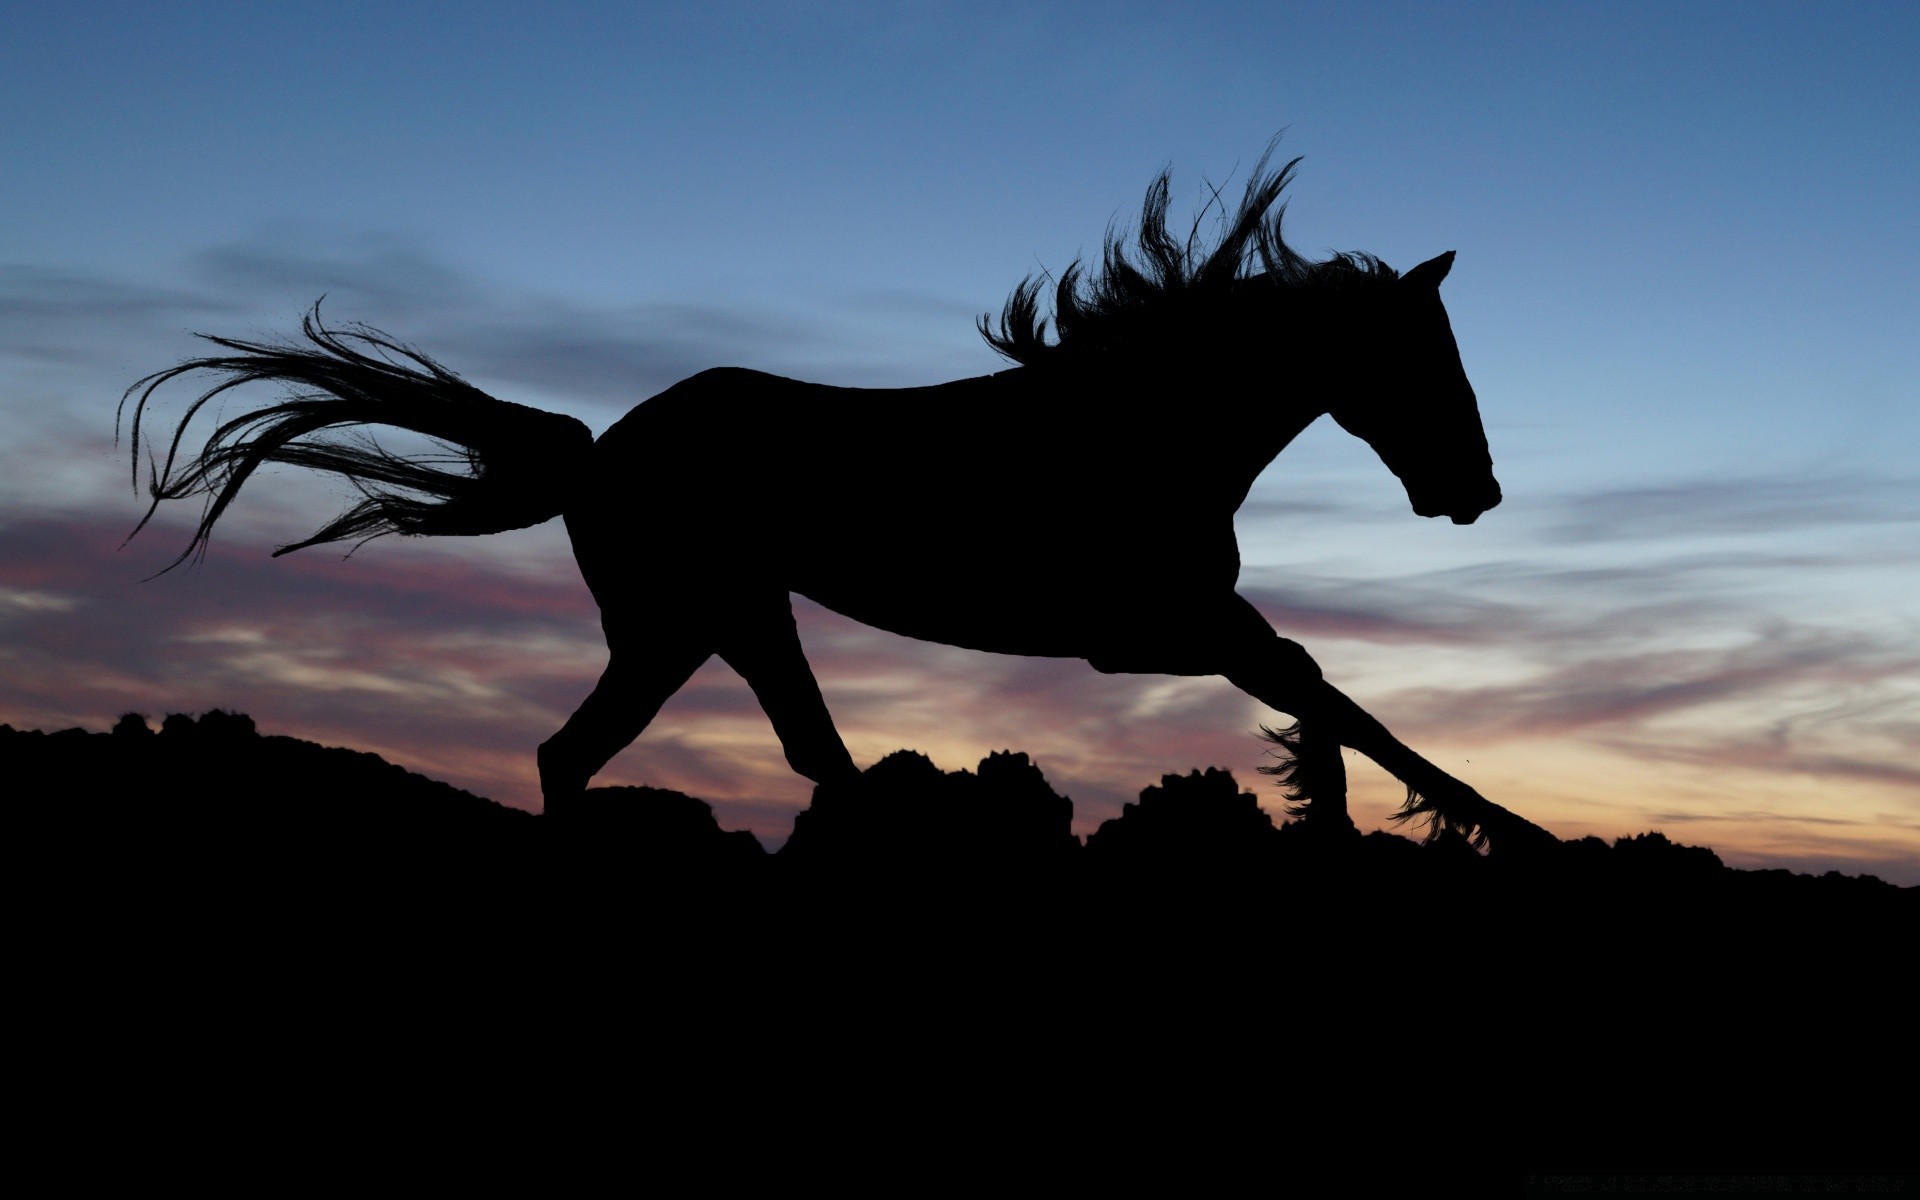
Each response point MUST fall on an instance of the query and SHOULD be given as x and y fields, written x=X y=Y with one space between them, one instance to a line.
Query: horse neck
x=1266 y=420
x=1275 y=392
x=1222 y=422
x=1252 y=411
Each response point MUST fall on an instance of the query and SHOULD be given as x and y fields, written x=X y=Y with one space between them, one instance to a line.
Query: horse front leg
x=1312 y=775
x=1184 y=637
x=1446 y=802
x=1282 y=675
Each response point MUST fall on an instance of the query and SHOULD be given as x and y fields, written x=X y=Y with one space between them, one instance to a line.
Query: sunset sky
x=1685 y=291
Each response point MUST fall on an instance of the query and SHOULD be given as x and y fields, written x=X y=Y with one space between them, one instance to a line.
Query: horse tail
x=497 y=465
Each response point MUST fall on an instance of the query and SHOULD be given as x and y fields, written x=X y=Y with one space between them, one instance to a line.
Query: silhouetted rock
x=1006 y=814
x=869 y=822
x=1198 y=823
x=649 y=829
x=907 y=814
x=1652 y=857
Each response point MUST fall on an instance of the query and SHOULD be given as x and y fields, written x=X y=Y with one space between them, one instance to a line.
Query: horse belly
x=1065 y=594
x=954 y=613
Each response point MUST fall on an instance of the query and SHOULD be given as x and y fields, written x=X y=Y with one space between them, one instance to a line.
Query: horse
x=1078 y=504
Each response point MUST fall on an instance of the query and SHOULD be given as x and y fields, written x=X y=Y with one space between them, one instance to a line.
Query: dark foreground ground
x=934 y=981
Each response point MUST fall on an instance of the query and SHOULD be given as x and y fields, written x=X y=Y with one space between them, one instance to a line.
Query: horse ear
x=1430 y=272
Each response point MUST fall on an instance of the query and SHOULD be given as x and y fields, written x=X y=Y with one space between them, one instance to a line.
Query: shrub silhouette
x=1193 y=823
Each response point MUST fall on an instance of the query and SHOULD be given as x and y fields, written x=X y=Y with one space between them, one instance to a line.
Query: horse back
x=982 y=513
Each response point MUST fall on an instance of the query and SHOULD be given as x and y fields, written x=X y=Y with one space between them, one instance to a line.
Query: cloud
x=1259 y=508
x=1385 y=611
x=892 y=302
x=1770 y=505
x=1638 y=687
x=1893 y=767
x=55 y=313
x=417 y=630
x=619 y=358
x=378 y=270
x=606 y=356
x=603 y=356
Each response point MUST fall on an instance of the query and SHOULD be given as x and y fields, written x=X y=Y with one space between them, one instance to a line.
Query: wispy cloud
x=1627 y=689
x=1863 y=754
x=1760 y=504
x=387 y=272
x=609 y=357
x=1390 y=612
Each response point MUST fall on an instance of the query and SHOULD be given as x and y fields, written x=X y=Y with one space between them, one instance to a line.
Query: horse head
x=1415 y=407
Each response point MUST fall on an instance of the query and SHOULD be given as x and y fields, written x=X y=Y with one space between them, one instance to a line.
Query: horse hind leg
x=639 y=678
x=764 y=647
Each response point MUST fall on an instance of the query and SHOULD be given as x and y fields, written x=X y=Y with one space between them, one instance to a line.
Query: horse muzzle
x=1461 y=510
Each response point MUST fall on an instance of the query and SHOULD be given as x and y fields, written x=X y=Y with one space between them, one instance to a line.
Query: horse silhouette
x=1077 y=505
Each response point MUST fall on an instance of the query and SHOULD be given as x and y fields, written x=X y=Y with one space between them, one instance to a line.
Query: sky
x=1686 y=254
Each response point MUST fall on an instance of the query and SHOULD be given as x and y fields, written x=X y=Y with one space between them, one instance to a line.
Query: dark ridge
x=218 y=767
x=215 y=794
x=1195 y=982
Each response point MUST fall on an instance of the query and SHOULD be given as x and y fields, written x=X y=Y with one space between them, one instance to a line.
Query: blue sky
x=1686 y=254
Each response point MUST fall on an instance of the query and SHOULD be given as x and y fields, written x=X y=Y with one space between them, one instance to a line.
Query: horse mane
x=1176 y=285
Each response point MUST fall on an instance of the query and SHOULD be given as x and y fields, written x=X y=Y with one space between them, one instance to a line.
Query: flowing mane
x=1175 y=285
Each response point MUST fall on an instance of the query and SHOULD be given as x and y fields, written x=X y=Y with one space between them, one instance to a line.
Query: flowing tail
x=500 y=466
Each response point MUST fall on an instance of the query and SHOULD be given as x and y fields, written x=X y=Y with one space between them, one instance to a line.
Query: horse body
x=984 y=517
x=1079 y=505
